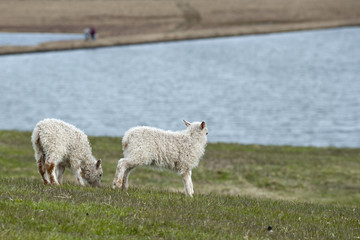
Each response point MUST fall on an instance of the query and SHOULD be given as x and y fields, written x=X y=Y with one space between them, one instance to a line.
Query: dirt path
x=137 y=21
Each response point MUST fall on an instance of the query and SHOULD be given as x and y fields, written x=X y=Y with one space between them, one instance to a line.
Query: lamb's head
x=92 y=173
x=198 y=129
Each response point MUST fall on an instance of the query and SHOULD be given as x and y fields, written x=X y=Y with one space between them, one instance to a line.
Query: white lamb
x=179 y=151
x=59 y=145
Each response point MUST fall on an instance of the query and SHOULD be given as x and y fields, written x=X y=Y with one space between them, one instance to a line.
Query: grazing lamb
x=178 y=151
x=59 y=145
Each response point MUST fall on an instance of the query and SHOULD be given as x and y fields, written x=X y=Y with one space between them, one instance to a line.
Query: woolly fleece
x=65 y=146
x=179 y=151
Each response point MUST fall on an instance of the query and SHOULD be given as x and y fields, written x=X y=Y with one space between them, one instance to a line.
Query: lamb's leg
x=79 y=179
x=125 y=183
x=187 y=183
x=191 y=184
x=122 y=172
x=60 y=173
x=41 y=167
x=51 y=170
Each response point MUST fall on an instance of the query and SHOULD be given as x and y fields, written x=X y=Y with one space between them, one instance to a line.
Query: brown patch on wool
x=50 y=168
x=125 y=145
x=176 y=164
x=41 y=169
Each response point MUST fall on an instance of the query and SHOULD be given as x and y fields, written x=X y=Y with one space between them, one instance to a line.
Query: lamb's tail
x=35 y=140
x=39 y=154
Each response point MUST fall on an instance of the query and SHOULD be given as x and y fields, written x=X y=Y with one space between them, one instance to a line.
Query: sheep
x=59 y=145
x=178 y=151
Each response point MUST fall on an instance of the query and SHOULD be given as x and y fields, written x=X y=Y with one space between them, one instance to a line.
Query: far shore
x=163 y=37
x=148 y=21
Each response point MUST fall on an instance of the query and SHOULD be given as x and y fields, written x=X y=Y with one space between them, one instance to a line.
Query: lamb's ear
x=202 y=125
x=187 y=123
x=98 y=163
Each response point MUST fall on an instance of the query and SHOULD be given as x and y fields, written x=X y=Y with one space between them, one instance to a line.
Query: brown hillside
x=135 y=21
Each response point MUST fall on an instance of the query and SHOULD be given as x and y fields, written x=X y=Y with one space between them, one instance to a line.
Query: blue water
x=31 y=39
x=299 y=88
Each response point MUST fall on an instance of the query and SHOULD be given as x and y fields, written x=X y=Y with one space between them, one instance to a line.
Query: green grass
x=240 y=190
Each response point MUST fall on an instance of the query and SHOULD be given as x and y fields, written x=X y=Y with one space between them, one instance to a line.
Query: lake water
x=31 y=39
x=299 y=88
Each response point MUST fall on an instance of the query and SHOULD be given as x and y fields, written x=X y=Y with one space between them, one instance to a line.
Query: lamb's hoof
x=115 y=186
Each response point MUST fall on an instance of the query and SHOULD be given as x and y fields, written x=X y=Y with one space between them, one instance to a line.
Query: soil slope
x=137 y=21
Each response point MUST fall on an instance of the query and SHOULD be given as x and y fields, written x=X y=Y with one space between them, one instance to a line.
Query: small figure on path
x=92 y=33
x=86 y=34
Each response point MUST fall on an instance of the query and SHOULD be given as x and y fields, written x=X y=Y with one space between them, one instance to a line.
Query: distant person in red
x=92 y=33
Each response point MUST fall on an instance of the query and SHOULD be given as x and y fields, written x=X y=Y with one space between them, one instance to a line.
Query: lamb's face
x=204 y=130
x=93 y=174
x=198 y=127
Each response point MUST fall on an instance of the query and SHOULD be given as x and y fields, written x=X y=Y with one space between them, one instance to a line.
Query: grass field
x=240 y=190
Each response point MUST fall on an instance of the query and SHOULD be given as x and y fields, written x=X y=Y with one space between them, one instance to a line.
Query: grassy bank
x=327 y=175
x=130 y=22
x=240 y=190
x=28 y=210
